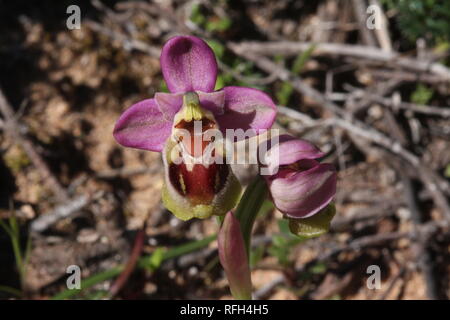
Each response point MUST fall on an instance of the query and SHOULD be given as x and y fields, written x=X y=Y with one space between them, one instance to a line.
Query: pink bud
x=301 y=186
x=233 y=258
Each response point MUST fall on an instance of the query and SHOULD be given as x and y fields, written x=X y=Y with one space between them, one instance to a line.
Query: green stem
x=249 y=206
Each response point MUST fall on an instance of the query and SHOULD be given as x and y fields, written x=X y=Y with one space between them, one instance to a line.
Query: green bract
x=315 y=225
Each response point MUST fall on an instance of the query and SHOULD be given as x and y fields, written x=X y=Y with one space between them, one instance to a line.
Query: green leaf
x=156 y=259
x=266 y=208
x=301 y=59
x=422 y=94
x=279 y=241
x=256 y=256
x=220 y=83
x=249 y=206
x=282 y=253
x=97 y=295
x=196 y=15
x=217 y=47
x=427 y=19
x=283 y=243
x=89 y=282
x=188 y=247
x=284 y=93
x=283 y=225
x=318 y=268
x=163 y=87
x=278 y=58
x=13 y=231
x=11 y=291
x=222 y=24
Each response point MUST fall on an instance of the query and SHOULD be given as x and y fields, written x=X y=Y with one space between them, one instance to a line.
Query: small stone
x=87 y=236
x=27 y=211
x=376 y=111
x=403 y=213
x=150 y=288
x=193 y=271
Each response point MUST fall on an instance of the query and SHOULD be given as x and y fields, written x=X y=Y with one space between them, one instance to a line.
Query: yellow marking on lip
x=182 y=184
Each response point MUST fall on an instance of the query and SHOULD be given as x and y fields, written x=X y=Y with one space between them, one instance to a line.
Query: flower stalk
x=249 y=207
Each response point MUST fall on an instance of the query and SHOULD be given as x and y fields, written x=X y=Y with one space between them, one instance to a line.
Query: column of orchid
x=188 y=124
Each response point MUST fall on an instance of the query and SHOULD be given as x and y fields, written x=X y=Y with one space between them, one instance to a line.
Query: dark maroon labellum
x=202 y=182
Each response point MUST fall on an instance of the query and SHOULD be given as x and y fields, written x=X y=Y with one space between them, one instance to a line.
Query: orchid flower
x=193 y=188
x=188 y=124
x=301 y=187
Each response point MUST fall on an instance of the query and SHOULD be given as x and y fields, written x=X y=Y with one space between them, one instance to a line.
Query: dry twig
x=289 y=48
x=12 y=128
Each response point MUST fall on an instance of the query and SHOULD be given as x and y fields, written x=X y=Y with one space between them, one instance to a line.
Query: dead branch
x=131 y=264
x=127 y=42
x=63 y=211
x=440 y=111
x=12 y=128
x=421 y=246
x=290 y=48
x=127 y=172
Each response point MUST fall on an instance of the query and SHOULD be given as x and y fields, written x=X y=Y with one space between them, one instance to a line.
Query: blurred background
x=366 y=80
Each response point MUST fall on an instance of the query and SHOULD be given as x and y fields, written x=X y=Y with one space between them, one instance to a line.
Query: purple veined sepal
x=188 y=64
x=289 y=150
x=233 y=258
x=143 y=126
x=147 y=124
x=246 y=108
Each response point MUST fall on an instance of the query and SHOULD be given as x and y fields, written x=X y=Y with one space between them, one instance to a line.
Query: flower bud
x=300 y=186
x=233 y=257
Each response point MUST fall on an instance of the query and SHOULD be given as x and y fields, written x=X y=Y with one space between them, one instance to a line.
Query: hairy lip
x=200 y=184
